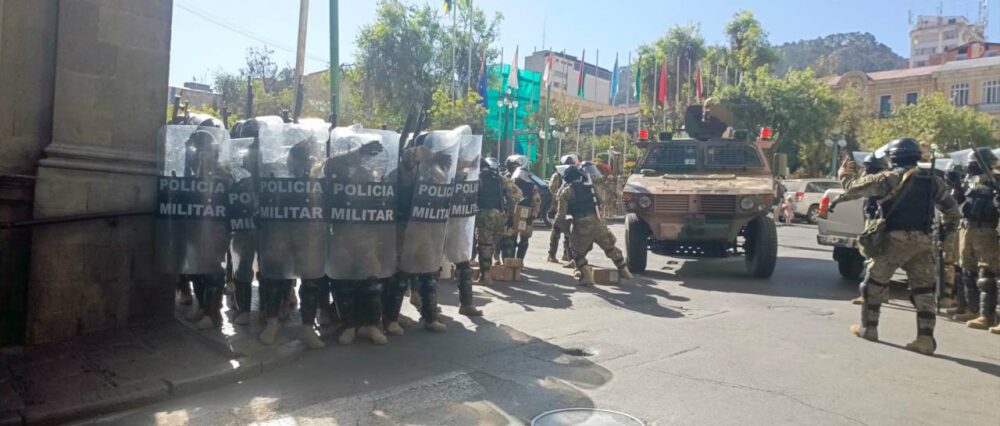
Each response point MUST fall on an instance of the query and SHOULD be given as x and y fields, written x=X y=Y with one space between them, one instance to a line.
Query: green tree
x=837 y=54
x=936 y=121
x=680 y=44
x=748 y=44
x=446 y=114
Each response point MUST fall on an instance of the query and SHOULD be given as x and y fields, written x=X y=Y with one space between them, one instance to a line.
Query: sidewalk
x=108 y=372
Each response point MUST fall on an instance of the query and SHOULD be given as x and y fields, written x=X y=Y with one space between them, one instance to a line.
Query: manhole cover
x=584 y=416
x=577 y=352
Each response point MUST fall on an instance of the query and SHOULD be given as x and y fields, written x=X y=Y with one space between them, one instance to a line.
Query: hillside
x=837 y=54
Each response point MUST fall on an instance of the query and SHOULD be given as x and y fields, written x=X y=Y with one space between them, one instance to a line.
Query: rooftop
x=903 y=73
x=969 y=64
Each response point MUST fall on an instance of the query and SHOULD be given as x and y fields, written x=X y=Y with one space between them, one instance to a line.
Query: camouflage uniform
x=980 y=252
x=525 y=212
x=491 y=222
x=909 y=249
x=560 y=226
x=587 y=230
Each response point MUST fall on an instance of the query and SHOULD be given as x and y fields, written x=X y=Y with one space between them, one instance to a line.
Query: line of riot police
x=358 y=214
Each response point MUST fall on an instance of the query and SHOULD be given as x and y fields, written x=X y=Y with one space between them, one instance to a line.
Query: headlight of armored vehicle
x=747 y=203
x=645 y=201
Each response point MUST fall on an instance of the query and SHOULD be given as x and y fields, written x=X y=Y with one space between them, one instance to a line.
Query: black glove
x=833 y=205
x=373 y=147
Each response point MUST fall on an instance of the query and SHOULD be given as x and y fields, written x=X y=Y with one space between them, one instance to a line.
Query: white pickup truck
x=840 y=229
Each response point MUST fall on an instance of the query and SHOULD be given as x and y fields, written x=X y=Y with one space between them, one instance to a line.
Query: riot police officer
x=242 y=209
x=579 y=200
x=872 y=165
x=980 y=248
x=525 y=211
x=907 y=198
x=560 y=227
x=496 y=200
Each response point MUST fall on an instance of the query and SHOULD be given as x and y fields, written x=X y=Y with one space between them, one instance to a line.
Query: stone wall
x=27 y=79
x=112 y=61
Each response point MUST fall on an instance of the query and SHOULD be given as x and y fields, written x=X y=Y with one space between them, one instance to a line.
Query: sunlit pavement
x=689 y=342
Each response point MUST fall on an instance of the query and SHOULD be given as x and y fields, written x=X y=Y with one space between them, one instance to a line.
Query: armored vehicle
x=708 y=194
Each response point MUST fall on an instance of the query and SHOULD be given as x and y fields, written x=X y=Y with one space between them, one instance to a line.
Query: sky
x=213 y=35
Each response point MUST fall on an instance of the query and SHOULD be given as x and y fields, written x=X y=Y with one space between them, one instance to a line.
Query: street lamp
x=505 y=105
x=840 y=144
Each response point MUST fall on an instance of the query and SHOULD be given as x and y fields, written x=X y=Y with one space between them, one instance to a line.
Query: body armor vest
x=978 y=205
x=527 y=192
x=911 y=208
x=491 y=192
x=584 y=202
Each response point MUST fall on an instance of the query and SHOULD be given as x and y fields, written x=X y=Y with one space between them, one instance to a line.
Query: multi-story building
x=973 y=50
x=565 y=77
x=935 y=34
x=973 y=83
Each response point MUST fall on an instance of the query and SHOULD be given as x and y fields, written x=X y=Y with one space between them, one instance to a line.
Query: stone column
x=27 y=78
x=112 y=62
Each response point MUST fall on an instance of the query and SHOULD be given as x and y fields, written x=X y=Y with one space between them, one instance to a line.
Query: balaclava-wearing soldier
x=461 y=227
x=908 y=198
x=560 y=226
x=361 y=197
x=293 y=232
x=193 y=233
x=433 y=159
x=526 y=210
x=578 y=199
x=496 y=201
x=980 y=248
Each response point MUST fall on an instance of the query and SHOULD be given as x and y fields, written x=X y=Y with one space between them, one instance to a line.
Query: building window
x=911 y=98
x=960 y=94
x=884 y=106
x=991 y=92
x=948 y=35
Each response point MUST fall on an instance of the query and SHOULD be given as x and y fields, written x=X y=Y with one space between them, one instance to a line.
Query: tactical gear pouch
x=874 y=240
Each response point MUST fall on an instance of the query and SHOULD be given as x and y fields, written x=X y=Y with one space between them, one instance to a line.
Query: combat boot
x=307 y=334
x=435 y=326
x=625 y=273
x=552 y=259
x=565 y=257
x=205 y=323
x=870 y=333
x=270 y=332
x=242 y=318
x=347 y=336
x=570 y=265
x=858 y=300
x=995 y=330
x=466 y=301
x=195 y=315
x=965 y=316
x=376 y=336
x=981 y=323
x=923 y=344
x=586 y=276
x=406 y=322
x=946 y=303
x=394 y=329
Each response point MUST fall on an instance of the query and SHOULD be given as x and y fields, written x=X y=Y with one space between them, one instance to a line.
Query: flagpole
x=468 y=70
x=689 y=79
x=454 y=52
x=547 y=130
x=638 y=94
x=627 y=99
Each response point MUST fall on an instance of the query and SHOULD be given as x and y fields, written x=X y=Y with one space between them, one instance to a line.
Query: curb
x=164 y=388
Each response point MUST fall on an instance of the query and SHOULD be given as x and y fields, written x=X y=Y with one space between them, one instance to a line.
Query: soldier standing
x=907 y=200
x=361 y=198
x=496 y=200
x=242 y=209
x=461 y=230
x=526 y=209
x=578 y=199
x=980 y=248
x=872 y=165
x=560 y=226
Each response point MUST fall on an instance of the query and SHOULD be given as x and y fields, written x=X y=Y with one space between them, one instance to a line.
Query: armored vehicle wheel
x=761 y=247
x=636 y=243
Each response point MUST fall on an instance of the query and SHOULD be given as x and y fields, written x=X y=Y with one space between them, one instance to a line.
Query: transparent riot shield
x=241 y=207
x=423 y=241
x=464 y=204
x=290 y=220
x=192 y=231
x=361 y=203
x=859 y=158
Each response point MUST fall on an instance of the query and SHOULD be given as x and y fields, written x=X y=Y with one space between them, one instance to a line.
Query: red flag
x=698 y=76
x=661 y=97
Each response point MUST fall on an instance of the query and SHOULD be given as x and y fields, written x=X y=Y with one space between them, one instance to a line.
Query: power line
x=243 y=31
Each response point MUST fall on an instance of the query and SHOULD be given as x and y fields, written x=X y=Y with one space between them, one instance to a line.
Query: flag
x=481 y=85
x=580 y=80
x=638 y=79
x=614 y=81
x=698 y=79
x=548 y=69
x=661 y=97
x=447 y=6
x=512 y=78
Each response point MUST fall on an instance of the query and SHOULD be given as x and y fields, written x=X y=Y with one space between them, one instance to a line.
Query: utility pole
x=334 y=62
x=300 y=58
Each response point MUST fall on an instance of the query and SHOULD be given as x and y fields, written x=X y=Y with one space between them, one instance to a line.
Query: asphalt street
x=690 y=342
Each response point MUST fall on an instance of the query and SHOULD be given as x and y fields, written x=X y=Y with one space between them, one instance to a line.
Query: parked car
x=808 y=193
x=840 y=229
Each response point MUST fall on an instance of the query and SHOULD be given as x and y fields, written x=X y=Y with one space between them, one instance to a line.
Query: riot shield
x=464 y=205
x=290 y=218
x=961 y=158
x=859 y=158
x=361 y=202
x=423 y=241
x=192 y=232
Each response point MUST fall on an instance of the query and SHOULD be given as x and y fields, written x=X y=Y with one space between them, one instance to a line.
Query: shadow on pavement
x=985 y=367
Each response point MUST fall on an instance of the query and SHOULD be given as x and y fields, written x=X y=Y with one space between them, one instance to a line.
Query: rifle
x=937 y=224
